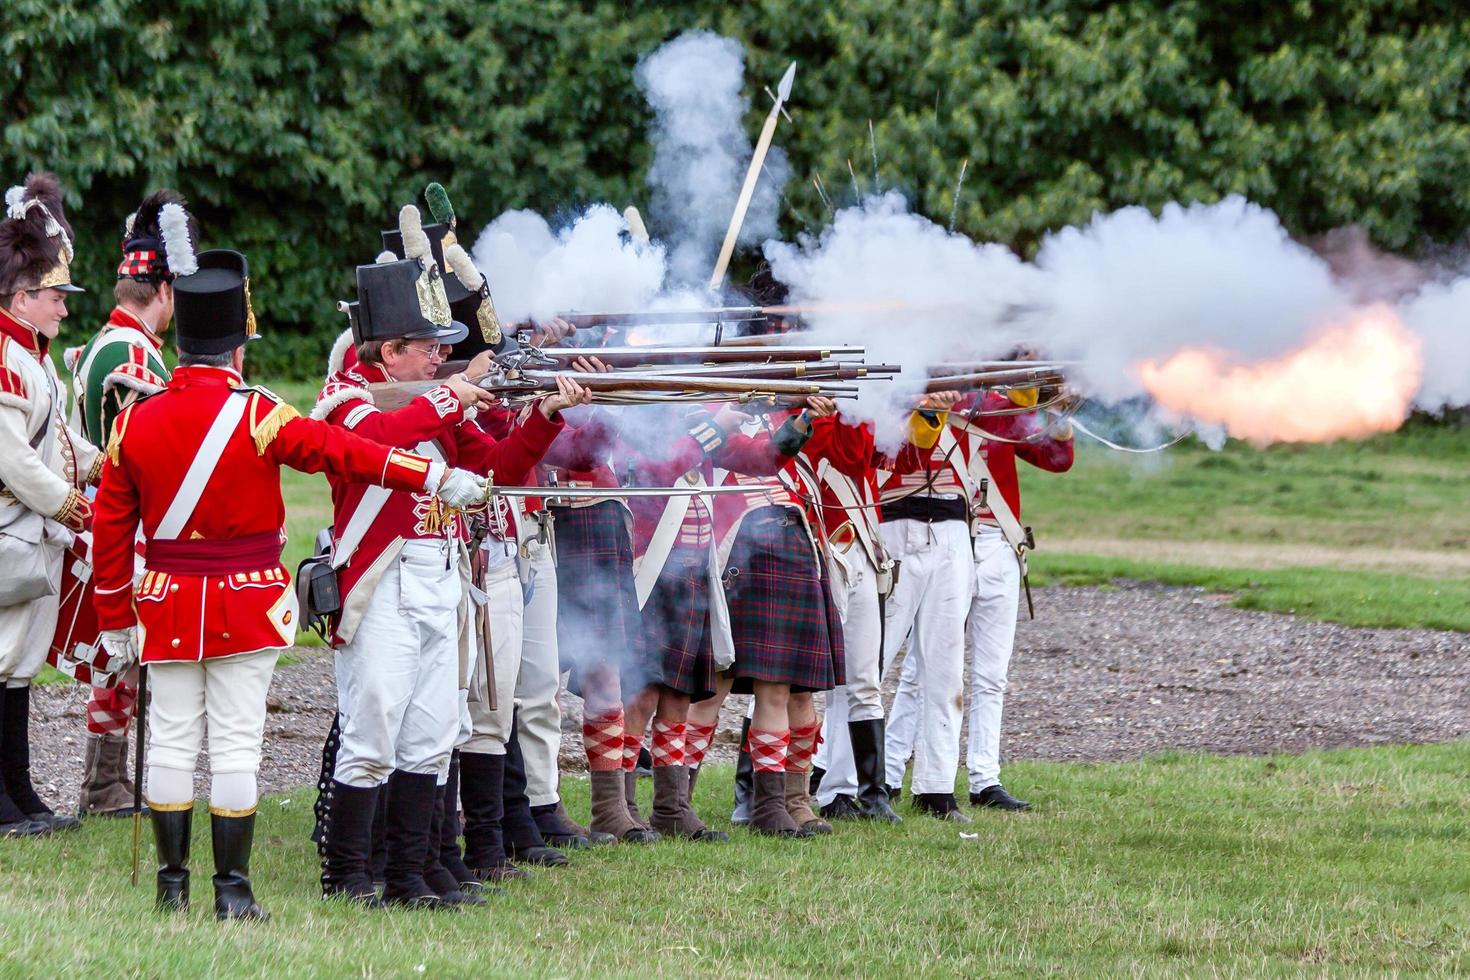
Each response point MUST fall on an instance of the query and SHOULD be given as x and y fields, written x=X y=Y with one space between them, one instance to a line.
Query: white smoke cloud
x=589 y=266
x=695 y=85
x=1440 y=315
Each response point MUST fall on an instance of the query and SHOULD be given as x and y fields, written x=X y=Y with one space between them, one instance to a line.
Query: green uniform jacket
x=123 y=359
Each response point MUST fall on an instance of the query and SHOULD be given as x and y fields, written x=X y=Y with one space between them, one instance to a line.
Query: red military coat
x=218 y=588
x=437 y=416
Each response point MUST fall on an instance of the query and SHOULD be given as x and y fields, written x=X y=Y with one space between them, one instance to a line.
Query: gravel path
x=1103 y=674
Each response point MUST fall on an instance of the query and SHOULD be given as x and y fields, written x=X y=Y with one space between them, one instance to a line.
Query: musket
x=653 y=318
x=994 y=379
x=818 y=371
x=972 y=367
x=635 y=356
x=621 y=388
x=572 y=493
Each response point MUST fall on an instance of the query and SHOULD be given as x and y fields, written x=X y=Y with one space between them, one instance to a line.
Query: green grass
x=1345 y=861
x=1372 y=533
x=1353 y=598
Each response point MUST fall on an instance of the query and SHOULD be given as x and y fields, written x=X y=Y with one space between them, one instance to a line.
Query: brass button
x=220 y=584
x=224 y=636
x=174 y=587
x=175 y=642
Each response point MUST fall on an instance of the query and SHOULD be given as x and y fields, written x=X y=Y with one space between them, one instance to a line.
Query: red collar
x=23 y=334
x=126 y=318
x=195 y=375
x=371 y=373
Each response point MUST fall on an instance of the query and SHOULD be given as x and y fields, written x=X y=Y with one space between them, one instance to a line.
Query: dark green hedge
x=297 y=128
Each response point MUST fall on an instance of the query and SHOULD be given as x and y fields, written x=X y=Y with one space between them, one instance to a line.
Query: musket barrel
x=992 y=379
x=633 y=356
x=729 y=314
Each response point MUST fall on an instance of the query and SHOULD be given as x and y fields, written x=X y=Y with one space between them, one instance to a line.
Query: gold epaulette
x=266 y=429
x=114 y=441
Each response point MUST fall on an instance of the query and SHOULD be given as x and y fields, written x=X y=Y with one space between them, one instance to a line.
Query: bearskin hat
x=35 y=238
x=159 y=240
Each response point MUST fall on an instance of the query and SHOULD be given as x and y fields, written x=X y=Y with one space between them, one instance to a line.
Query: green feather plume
x=439 y=205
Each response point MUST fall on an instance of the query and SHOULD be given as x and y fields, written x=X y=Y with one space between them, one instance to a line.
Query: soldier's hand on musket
x=479 y=366
x=551 y=332
x=568 y=394
x=940 y=401
x=468 y=393
x=729 y=419
x=820 y=406
x=461 y=488
x=588 y=364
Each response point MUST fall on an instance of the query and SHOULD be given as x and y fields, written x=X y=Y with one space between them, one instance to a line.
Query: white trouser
x=223 y=697
x=26 y=628
x=492 y=728
x=539 y=683
x=992 y=632
x=398 y=680
x=927 y=607
x=855 y=593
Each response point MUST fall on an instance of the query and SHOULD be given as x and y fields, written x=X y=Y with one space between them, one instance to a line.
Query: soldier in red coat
x=404 y=635
x=198 y=466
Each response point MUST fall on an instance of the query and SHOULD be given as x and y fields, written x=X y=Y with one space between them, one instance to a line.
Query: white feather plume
x=385 y=257
x=463 y=267
x=128 y=225
x=15 y=202
x=415 y=242
x=173 y=222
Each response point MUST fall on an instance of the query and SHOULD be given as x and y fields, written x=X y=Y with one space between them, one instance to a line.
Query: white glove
x=122 y=647
x=461 y=488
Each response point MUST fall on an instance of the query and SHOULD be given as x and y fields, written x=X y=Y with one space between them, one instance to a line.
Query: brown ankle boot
x=799 y=804
x=610 y=809
x=630 y=796
x=768 y=814
x=106 y=790
x=672 y=815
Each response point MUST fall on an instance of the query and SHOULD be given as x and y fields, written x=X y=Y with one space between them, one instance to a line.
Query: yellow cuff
x=922 y=432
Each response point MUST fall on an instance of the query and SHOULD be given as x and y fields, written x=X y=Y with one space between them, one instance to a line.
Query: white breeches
x=539 y=684
x=491 y=729
x=223 y=698
x=992 y=632
x=398 y=680
x=855 y=593
x=927 y=608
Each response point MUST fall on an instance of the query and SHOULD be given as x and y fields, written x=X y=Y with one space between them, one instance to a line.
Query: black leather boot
x=410 y=821
x=445 y=884
x=379 y=846
x=231 y=837
x=449 y=853
x=740 y=816
x=481 y=790
x=171 y=828
x=523 y=840
x=15 y=761
x=995 y=797
x=867 y=757
x=324 y=783
x=560 y=830
x=346 y=843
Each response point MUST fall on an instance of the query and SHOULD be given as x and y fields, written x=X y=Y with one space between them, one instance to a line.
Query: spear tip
x=784 y=89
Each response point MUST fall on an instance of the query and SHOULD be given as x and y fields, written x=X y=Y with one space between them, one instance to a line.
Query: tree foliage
x=297 y=128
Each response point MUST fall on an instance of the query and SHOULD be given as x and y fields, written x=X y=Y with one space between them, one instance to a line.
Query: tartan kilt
x=597 y=618
x=676 y=625
x=781 y=611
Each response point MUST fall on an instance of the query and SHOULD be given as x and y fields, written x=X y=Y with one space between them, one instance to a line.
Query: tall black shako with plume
x=159 y=240
x=35 y=238
x=478 y=304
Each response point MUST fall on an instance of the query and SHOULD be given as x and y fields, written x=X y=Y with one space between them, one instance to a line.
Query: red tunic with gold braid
x=218 y=588
x=436 y=415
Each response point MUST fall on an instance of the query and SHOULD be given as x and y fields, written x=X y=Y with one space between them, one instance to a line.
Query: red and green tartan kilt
x=597 y=619
x=781 y=612
x=676 y=625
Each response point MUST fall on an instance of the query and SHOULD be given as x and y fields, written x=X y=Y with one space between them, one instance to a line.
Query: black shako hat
x=391 y=306
x=453 y=288
x=212 y=313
